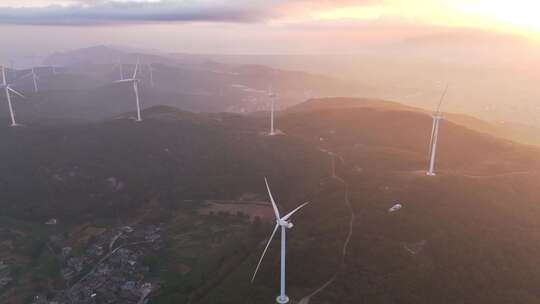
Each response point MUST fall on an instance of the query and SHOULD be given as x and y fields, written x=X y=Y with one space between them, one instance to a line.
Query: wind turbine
x=121 y=71
x=272 y=96
x=437 y=116
x=135 y=83
x=12 y=67
x=35 y=79
x=8 y=90
x=333 y=157
x=151 y=69
x=285 y=224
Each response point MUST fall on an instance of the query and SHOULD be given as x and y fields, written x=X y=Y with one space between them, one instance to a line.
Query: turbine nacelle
x=285 y=224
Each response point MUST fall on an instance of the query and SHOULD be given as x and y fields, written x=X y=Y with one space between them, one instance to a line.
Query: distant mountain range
x=83 y=88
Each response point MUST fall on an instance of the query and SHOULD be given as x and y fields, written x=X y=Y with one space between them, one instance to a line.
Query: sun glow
x=520 y=16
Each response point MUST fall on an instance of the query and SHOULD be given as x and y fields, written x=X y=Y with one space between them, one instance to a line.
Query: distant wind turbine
x=285 y=224
x=135 y=83
x=151 y=69
x=272 y=96
x=8 y=90
x=437 y=116
x=35 y=79
x=12 y=67
x=121 y=71
x=333 y=156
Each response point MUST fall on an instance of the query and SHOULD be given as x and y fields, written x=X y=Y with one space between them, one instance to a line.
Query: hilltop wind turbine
x=285 y=224
x=333 y=156
x=437 y=116
x=121 y=71
x=151 y=69
x=135 y=83
x=8 y=90
x=272 y=96
x=35 y=78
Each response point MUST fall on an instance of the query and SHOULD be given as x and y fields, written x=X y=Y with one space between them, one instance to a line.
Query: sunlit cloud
x=518 y=16
x=351 y=13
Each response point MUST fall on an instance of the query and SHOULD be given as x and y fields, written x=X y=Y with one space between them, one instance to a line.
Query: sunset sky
x=252 y=26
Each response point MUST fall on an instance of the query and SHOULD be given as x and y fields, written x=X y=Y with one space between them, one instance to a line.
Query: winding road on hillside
x=306 y=299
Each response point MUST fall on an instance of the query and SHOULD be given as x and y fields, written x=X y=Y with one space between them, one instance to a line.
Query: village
x=110 y=270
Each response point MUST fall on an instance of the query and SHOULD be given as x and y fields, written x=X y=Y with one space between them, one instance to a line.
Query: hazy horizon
x=253 y=27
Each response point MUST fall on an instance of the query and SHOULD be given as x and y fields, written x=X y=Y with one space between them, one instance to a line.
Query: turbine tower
x=285 y=224
x=437 y=116
x=8 y=90
x=272 y=96
x=135 y=83
x=121 y=71
x=151 y=69
x=35 y=79
x=333 y=157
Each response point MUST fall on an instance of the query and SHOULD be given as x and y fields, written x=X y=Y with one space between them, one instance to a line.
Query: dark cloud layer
x=96 y=12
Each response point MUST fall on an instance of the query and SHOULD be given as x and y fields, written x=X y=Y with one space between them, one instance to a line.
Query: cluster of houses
x=5 y=275
x=111 y=268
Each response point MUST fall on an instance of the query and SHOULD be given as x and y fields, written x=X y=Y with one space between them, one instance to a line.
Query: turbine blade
x=136 y=69
x=15 y=92
x=26 y=76
x=4 y=80
x=264 y=253
x=441 y=100
x=124 y=80
x=276 y=211
x=286 y=217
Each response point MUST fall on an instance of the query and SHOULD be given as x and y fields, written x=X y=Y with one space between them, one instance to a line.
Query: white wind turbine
x=135 y=83
x=272 y=96
x=151 y=69
x=121 y=71
x=35 y=79
x=333 y=157
x=437 y=116
x=285 y=224
x=8 y=90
